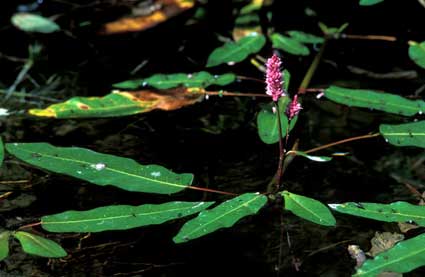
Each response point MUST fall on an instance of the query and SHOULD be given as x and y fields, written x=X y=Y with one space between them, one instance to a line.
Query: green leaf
x=417 y=53
x=119 y=217
x=289 y=45
x=308 y=208
x=405 y=256
x=369 y=2
x=165 y=81
x=313 y=158
x=101 y=169
x=305 y=37
x=1 y=151
x=36 y=245
x=267 y=122
x=381 y=101
x=408 y=134
x=4 y=245
x=233 y=52
x=223 y=216
x=34 y=23
x=121 y=103
x=394 y=212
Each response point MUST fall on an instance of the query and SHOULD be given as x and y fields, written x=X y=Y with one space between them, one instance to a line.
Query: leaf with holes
x=305 y=37
x=408 y=134
x=29 y=22
x=267 y=122
x=234 y=52
x=120 y=217
x=122 y=103
x=165 y=81
x=381 y=101
x=394 y=212
x=369 y=2
x=101 y=169
x=405 y=256
x=308 y=208
x=223 y=216
x=290 y=45
x=4 y=245
x=417 y=53
x=36 y=245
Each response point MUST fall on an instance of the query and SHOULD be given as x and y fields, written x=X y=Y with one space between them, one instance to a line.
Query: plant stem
x=341 y=142
x=281 y=147
x=368 y=37
x=226 y=93
x=313 y=67
x=212 y=190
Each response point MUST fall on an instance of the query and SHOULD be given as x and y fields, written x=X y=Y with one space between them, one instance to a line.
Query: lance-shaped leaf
x=223 y=216
x=36 y=245
x=405 y=256
x=394 y=212
x=408 y=134
x=267 y=122
x=1 y=151
x=290 y=45
x=121 y=103
x=101 y=169
x=310 y=157
x=233 y=52
x=381 y=101
x=165 y=81
x=305 y=37
x=4 y=245
x=120 y=217
x=308 y=208
x=369 y=2
x=148 y=16
x=417 y=53
x=29 y=22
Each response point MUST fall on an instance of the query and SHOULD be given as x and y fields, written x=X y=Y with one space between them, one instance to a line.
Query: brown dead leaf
x=168 y=9
x=383 y=241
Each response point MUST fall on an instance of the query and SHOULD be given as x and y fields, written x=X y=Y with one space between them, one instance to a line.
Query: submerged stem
x=341 y=142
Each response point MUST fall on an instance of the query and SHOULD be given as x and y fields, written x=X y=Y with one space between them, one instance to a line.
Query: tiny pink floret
x=274 y=77
x=293 y=108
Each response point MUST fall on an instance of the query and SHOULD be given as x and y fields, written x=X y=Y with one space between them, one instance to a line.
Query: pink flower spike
x=293 y=108
x=274 y=78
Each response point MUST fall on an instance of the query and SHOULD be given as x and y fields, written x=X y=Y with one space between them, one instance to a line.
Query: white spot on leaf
x=155 y=174
x=98 y=166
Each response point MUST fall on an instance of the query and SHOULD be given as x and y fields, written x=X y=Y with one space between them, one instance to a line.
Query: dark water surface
x=216 y=140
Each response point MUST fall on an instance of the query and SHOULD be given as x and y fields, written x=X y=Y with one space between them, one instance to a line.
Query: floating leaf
x=405 y=256
x=223 y=216
x=394 y=212
x=381 y=101
x=4 y=245
x=408 y=134
x=417 y=53
x=313 y=158
x=1 y=151
x=29 y=22
x=289 y=45
x=101 y=169
x=369 y=2
x=119 y=217
x=165 y=81
x=305 y=37
x=233 y=52
x=267 y=122
x=308 y=208
x=122 y=103
x=169 y=9
x=36 y=245
x=246 y=24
